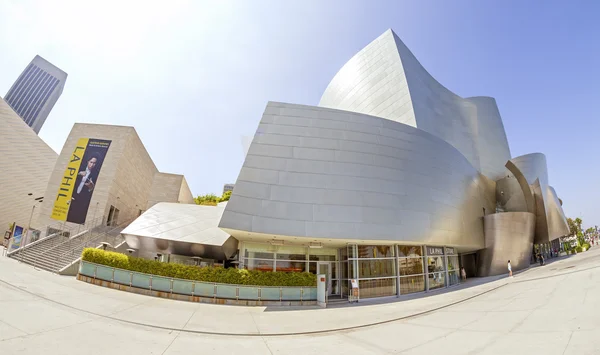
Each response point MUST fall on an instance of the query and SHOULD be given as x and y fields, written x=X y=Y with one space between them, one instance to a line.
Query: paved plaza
x=550 y=310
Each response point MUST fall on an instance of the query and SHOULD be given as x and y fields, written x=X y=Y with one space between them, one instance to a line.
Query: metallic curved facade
x=551 y=222
x=386 y=80
x=508 y=236
x=319 y=173
x=392 y=156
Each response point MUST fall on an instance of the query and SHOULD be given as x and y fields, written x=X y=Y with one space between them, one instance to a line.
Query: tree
x=212 y=199
x=574 y=226
x=226 y=196
x=207 y=200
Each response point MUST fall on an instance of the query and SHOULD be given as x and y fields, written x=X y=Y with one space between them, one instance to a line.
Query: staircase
x=57 y=253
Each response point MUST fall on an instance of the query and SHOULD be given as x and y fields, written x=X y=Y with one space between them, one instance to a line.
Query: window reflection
x=437 y=280
x=452 y=262
x=290 y=266
x=435 y=263
x=256 y=264
x=410 y=266
x=377 y=288
x=375 y=251
x=409 y=251
x=412 y=284
x=453 y=278
x=376 y=268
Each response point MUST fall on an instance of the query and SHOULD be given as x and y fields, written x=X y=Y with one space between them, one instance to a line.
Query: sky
x=193 y=77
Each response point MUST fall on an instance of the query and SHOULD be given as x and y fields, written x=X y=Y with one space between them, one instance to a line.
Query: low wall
x=195 y=291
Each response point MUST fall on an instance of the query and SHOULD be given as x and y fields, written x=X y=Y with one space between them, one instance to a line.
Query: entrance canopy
x=182 y=229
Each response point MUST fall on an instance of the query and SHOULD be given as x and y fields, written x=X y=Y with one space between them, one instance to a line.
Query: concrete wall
x=26 y=163
x=322 y=173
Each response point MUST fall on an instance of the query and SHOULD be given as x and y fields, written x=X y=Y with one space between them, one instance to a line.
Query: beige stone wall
x=26 y=162
x=165 y=188
x=185 y=194
x=133 y=181
x=128 y=179
x=118 y=136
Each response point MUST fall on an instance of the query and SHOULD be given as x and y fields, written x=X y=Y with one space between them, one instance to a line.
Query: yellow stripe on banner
x=67 y=184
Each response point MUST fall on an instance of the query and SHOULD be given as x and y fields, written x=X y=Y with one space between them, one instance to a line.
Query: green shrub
x=207 y=274
x=586 y=246
x=579 y=249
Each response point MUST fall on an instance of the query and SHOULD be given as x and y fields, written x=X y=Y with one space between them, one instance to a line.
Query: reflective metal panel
x=557 y=221
x=508 y=236
x=321 y=173
x=527 y=193
x=182 y=229
x=551 y=222
x=385 y=79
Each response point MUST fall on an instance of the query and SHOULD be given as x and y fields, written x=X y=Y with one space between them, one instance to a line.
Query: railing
x=112 y=237
x=196 y=288
x=56 y=238
x=83 y=232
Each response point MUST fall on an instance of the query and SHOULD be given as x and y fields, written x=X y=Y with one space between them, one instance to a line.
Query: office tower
x=36 y=91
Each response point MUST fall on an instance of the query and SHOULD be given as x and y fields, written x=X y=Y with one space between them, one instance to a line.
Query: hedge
x=579 y=249
x=196 y=273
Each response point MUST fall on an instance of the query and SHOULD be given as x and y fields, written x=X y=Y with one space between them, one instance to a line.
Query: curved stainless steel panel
x=182 y=229
x=527 y=193
x=509 y=195
x=320 y=173
x=557 y=221
x=551 y=220
x=508 y=236
x=385 y=79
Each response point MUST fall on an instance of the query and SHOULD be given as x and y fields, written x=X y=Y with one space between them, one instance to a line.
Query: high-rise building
x=36 y=91
x=228 y=187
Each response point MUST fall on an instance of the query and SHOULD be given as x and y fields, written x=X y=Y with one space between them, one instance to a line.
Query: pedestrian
x=509 y=269
x=463 y=273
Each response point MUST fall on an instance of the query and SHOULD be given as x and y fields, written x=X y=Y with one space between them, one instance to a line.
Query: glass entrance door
x=325 y=269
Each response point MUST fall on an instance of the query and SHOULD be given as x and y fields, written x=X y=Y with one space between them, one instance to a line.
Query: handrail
x=90 y=227
x=61 y=229
x=70 y=238
x=86 y=243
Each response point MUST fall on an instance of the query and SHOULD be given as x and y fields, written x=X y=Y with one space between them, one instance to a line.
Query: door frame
x=327 y=275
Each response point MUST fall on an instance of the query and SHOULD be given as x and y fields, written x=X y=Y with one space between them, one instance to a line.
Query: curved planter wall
x=195 y=291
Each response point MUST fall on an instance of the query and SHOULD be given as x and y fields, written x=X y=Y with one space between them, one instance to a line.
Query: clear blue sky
x=193 y=77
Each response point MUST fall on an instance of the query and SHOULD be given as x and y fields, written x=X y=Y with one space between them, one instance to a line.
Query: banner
x=79 y=180
x=17 y=237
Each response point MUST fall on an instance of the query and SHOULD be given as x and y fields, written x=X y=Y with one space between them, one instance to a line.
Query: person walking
x=509 y=269
x=463 y=273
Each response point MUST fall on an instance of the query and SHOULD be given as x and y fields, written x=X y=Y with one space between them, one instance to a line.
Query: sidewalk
x=238 y=320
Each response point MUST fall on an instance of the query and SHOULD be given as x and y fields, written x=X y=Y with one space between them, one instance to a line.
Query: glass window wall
x=376 y=268
x=412 y=284
x=452 y=266
x=375 y=251
x=435 y=264
x=437 y=280
x=259 y=264
x=377 y=287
